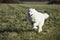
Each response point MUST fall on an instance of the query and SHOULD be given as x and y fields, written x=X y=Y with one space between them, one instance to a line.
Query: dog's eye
x=30 y=11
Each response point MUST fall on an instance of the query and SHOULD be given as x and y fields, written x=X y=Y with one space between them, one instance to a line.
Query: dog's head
x=31 y=11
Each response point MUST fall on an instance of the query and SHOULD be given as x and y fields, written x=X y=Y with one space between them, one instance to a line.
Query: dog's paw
x=34 y=27
x=40 y=30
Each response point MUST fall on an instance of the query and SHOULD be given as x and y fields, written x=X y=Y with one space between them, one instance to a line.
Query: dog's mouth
x=31 y=14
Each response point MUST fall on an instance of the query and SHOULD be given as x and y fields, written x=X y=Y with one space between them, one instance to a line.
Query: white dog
x=36 y=18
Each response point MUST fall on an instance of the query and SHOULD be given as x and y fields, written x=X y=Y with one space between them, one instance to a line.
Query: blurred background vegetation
x=22 y=1
x=14 y=24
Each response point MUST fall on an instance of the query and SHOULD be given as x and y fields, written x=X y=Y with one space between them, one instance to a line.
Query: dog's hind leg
x=40 y=26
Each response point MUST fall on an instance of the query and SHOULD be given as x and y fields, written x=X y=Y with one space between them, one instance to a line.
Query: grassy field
x=15 y=26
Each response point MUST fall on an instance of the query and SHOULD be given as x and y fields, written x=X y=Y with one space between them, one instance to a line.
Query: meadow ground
x=15 y=26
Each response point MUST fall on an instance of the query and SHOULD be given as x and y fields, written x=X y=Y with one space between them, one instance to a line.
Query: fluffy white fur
x=37 y=18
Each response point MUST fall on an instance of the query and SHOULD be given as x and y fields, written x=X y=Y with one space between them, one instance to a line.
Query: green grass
x=15 y=26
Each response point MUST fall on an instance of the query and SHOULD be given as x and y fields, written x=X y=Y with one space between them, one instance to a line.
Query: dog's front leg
x=35 y=26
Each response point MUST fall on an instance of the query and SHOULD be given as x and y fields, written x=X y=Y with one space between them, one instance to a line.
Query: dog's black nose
x=28 y=12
